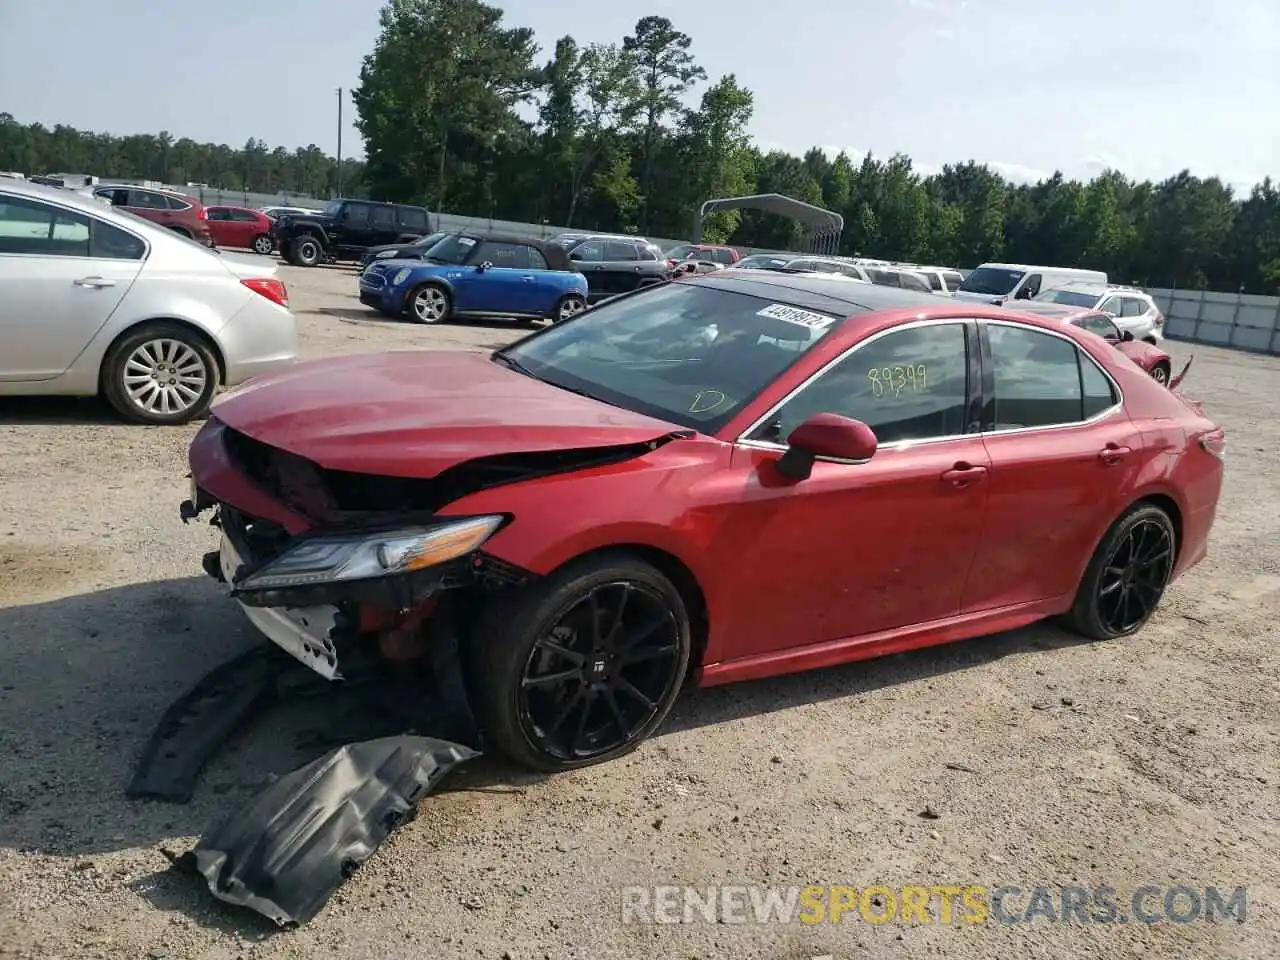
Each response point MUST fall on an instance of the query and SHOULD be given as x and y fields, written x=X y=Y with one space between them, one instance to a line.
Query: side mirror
x=825 y=435
x=1126 y=336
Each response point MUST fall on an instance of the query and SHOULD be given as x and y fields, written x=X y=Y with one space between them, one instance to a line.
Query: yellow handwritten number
x=896 y=380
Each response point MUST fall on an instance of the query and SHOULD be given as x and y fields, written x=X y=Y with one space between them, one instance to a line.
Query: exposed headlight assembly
x=361 y=555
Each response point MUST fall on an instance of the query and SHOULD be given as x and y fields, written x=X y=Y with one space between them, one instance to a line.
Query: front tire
x=1127 y=577
x=305 y=251
x=160 y=374
x=428 y=303
x=580 y=667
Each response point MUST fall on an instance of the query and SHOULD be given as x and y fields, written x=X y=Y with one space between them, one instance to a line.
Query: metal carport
x=823 y=227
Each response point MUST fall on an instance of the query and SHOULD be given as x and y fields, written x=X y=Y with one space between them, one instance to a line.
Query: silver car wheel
x=165 y=377
x=263 y=245
x=570 y=307
x=430 y=304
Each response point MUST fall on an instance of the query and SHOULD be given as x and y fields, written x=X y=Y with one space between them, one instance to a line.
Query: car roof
x=84 y=202
x=557 y=258
x=1060 y=311
x=816 y=292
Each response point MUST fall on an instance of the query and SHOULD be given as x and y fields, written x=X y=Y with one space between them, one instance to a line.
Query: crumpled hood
x=1145 y=355
x=417 y=413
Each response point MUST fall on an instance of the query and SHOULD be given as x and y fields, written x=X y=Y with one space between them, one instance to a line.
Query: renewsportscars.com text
x=937 y=903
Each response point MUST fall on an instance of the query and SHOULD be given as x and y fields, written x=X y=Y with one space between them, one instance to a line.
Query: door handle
x=1113 y=453
x=94 y=282
x=963 y=474
x=528 y=279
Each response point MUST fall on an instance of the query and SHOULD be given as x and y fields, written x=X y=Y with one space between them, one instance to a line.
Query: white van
x=998 y=282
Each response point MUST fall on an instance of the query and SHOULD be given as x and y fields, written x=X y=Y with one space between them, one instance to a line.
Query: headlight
x=384 y=254
x=343 y=557
x=401 y=275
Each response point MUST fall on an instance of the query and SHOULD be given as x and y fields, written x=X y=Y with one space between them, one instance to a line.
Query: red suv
x=184 y=215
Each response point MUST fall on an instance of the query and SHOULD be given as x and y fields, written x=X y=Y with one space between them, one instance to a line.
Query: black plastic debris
x=197 y=724
x=291 y=847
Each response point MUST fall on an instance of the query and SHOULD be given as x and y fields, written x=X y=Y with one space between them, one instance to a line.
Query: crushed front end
x=324 y=561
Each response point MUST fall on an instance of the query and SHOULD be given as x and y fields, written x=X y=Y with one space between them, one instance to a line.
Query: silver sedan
x=94 y=300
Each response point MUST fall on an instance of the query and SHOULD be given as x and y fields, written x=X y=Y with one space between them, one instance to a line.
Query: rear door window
x=32 y=228
x=1040 y=379
x=615 y=250
x=414 y=221
x=383 y=218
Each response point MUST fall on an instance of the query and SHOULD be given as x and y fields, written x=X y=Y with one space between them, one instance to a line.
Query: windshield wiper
x=511 y=363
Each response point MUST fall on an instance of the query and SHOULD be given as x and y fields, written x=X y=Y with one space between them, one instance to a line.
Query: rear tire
x=262 y=245
x=305 y=251
x=1127 y=576
x=535 y=655
x=568 y=307
x=160 y=374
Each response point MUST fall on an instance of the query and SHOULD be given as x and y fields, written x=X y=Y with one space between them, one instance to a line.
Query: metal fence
x=1239 y=321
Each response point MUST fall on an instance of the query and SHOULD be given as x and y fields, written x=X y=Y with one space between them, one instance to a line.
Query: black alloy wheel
x=584 y=667
x=1127 y=576
x=1160 y=374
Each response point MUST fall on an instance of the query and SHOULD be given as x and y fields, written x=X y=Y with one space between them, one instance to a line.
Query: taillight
x=203 y=214
x=1214 y=442
x=269 y=287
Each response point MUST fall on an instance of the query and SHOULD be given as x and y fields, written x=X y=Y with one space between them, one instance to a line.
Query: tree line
x=462 y=113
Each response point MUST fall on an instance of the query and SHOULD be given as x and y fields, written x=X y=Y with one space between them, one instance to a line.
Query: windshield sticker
x=803 y=318
x=467 y=242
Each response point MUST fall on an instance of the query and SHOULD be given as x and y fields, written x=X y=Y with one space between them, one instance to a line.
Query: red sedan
x=241 y=227
x=732 y=476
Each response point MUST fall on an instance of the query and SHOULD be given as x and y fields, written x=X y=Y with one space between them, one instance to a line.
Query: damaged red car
x=726 y=477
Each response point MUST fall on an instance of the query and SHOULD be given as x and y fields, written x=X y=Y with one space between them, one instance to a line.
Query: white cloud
x=1017 y=172
x=942 y=33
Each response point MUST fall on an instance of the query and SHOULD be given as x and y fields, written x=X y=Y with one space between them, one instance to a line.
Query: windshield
x=1071 y=297
x=680 y=252
x=451 y=248
x=763 y=261
x=332 y=208
x=682 y=352
x=992 y=281
x=428 y=241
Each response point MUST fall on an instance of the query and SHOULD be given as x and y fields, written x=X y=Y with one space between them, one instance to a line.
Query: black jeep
x=345 y=229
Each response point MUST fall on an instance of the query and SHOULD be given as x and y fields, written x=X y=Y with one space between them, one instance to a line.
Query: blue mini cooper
x=467 y=275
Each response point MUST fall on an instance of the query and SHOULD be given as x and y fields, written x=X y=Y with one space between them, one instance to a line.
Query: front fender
x=299 y=227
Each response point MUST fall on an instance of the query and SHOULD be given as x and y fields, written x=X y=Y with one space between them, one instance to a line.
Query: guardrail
x=1240 y=321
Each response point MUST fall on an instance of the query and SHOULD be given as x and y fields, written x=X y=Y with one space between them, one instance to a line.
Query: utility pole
x=339 y=193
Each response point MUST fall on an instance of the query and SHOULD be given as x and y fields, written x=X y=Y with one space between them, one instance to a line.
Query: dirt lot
x=1151 y=761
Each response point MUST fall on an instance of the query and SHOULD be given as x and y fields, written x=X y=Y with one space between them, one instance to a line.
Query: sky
x=1147 y=87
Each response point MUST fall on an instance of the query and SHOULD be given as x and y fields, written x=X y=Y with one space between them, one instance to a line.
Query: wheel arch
x=187 y=325
x=1170 y=506
x=681 y=577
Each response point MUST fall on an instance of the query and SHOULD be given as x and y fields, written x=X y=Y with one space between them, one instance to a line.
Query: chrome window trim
x=146 y=244
x=744 y=438
x=1096 y=418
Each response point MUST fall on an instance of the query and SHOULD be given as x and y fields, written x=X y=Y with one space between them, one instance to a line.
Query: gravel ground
x=1151 y=761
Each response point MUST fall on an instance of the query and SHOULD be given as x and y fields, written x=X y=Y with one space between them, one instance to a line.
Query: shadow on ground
x=86 y=678
x=44 y=411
